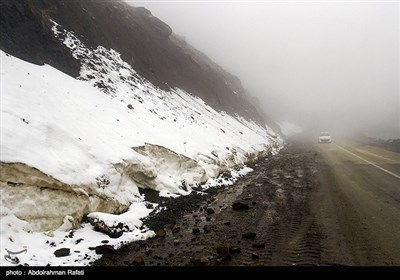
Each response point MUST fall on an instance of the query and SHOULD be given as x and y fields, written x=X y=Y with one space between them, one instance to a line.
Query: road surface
x=313 y=204
x=359 y=198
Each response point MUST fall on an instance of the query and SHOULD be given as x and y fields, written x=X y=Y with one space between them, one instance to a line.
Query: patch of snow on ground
x=40 y=247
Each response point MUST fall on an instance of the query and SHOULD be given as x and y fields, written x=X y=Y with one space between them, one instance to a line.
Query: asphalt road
x=358 y=203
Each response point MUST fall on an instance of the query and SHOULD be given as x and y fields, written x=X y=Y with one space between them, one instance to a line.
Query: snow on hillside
x=98 y=139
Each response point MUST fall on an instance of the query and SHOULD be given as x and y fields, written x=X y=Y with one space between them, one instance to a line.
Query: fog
x=325 y=66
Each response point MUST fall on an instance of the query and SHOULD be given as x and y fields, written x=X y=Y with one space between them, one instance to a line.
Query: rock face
x=143 y=40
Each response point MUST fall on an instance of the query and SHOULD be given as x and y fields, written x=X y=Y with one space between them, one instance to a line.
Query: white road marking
x=373 y=164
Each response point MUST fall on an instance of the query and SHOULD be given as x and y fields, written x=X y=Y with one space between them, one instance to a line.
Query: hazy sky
x=322 y=65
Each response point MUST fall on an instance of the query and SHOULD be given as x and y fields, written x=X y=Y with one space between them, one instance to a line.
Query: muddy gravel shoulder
x=262 y=219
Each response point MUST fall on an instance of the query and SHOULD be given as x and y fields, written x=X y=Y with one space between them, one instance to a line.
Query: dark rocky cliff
x=143 y=40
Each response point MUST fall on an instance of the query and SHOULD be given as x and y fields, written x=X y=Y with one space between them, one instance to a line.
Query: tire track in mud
x=293 y=238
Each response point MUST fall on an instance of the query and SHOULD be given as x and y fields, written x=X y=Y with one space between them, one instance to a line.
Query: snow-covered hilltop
x=76 y=147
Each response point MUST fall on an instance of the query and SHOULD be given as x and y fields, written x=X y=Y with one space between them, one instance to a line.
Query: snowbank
x=71 y=147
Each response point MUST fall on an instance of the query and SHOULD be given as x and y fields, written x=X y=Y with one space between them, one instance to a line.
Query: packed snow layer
x=31 y=193
x=70 y=147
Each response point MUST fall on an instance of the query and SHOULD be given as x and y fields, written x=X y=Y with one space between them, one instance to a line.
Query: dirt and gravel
x=286 y=212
